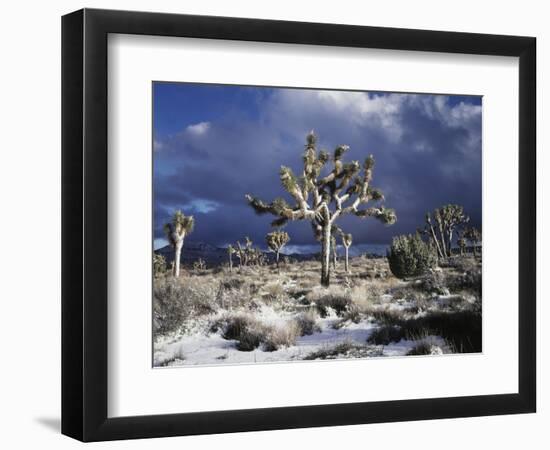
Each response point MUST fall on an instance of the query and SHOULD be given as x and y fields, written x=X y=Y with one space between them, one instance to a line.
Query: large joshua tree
x=276 y=240
x=347 y=239
x=176 y=231
x=322 y=200
x=441 y=229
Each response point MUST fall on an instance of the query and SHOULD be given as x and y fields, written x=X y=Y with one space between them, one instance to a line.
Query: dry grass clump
x=386 y=334
x=250 y=333
x=283 y=335
x=332 y=298
x=273 y=291
x=425 y=347
x=307 y=322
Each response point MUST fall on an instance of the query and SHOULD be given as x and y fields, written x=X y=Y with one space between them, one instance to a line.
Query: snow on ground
x=201 y=348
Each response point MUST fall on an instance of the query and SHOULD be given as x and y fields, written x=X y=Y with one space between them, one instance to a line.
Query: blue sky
x=215 y=143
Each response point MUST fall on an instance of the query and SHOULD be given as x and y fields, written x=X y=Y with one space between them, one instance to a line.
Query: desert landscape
x=270 y=249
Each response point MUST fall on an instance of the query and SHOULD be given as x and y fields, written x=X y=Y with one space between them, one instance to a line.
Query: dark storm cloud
x=427 y=151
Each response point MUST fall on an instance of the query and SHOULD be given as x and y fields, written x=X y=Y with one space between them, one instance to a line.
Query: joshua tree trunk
x=346 y=264
x=277 y=258
x=177 y=256
x=436 y=241
x=325 y=257
x=333 y=250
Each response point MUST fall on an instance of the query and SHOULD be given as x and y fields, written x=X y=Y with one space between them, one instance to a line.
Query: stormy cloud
x=213 y=144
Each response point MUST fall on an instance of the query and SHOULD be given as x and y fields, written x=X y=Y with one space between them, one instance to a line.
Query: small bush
x=425 y=348
x=159 y=265
x=281 y=336
x=250 y=339
x=247 y=331
x=386 y=334
x=469 y=280
x=339 y=303
x=434 y=283
x=409 y=256
x=307 y=323
x=175 y=304
x=231 y=284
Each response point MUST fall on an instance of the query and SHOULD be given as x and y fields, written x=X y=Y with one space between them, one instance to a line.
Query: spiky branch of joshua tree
x=441 y=229
x=176 y=230
x=322 y=200
x=473 y=235
x=276 y=240
x=347 y=240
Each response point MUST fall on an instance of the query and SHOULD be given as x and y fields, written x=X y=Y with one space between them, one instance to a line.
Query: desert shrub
x=346 y=349
x=307 y=322
x=159 y=265
x=338 y=302
x=250 y=339
x=231 y=284
x=434 y=282
x=425 y=347
x=386 y=334
x=245 y=329
x=352 y=314
x=174 y=303
x=461 y=263
x=461 y=329
x=409 y=256
x=469 y=280
x=331 y=352
x=387 y=316
x=273 y=291
x=281 y=336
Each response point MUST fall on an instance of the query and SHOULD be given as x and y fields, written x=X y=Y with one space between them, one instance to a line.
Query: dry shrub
x=175 y=303
x=273 y=291
x=244 y=328
x=386 y=334
x=334 y=298
x=307 y=322
x=279 y=336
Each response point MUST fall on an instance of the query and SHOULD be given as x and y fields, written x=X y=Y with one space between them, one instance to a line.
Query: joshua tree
x=159 y=265
x=176 y=230
x=230 y=251
x=323 y=200
x=249 y=255
x=276 y=240
x=461 y=244
x=199 y=265
x=447 y=219
x=347 y=239
x=472 y=235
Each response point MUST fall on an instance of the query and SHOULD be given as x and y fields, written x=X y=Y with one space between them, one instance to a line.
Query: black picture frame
x=84 y=224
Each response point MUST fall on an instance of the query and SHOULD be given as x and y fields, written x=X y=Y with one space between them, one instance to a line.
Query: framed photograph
x=273 y=225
